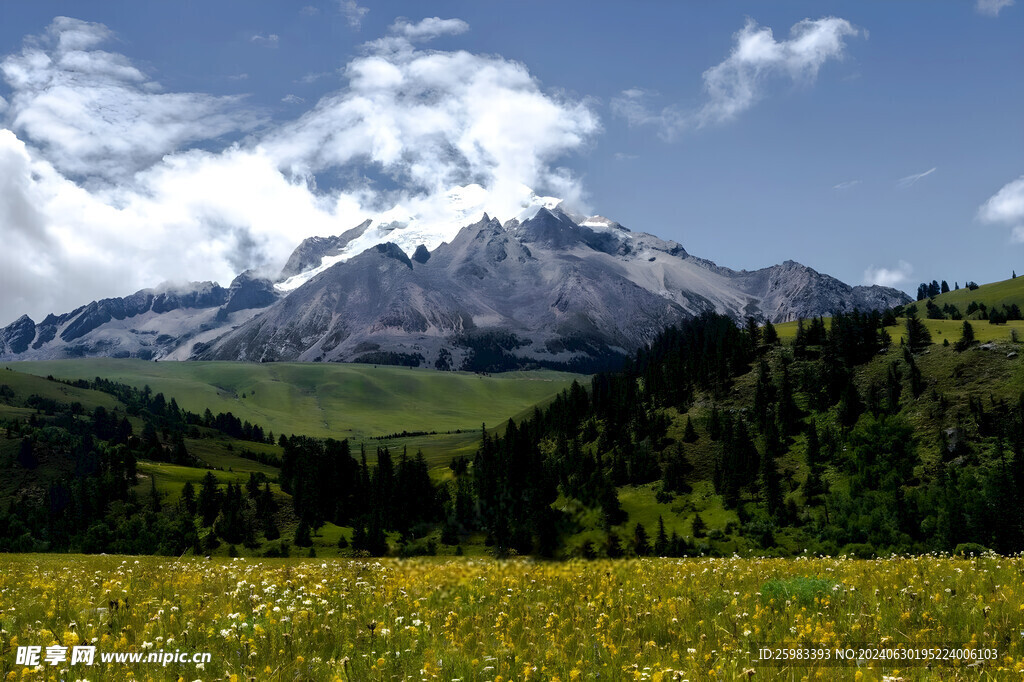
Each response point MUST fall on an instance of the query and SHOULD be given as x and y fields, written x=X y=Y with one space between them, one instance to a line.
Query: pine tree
x=209 y=499
x=918 y=336
x=814 y=485
x=698 y=526
x=770 y=483
x=302 y=535
x=789 y=413
x=641 y=542
x=689 y=433
x=661 y=545
x=154 y=496
x=850 y=404
x=715 y=424
x=966 y=338
x=753 y=332
x=188 y=498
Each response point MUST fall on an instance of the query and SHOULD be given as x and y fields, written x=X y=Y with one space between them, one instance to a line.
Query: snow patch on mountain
x=398 y=225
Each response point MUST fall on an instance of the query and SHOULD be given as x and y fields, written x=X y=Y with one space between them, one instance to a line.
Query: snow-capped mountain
x=161 y=323
x=543 y=288
x=408 y=231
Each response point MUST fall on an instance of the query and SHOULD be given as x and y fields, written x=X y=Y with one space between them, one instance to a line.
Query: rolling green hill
x=1006 y=292
x=994 y=295
x=327 y=400
x=949 y=330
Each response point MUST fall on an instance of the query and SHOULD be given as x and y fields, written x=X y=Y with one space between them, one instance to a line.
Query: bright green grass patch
x=641 y=503
x=328 y=400
x=224 y=454
x=1006 y=292
x=950 y=330
x=800 y=590
x=25 y=384
x=171 y=478
x=438 y=449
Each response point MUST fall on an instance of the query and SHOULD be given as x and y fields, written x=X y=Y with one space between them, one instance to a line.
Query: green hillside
x=998 y=294
x=327 y=400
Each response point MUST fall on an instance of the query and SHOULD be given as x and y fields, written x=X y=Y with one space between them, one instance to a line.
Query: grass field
x=950 y=330
x=27 y=383
x=476 y=619
x=997 y=294
x=336 y=400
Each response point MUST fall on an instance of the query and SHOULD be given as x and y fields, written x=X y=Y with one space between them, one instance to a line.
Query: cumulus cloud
x=912 y=179
x=95 y=114
x=353 y=12
x=425 y=139
x=1006 y=207
x=429 y=28
x=737 y=83
x=433 y=120
x=991 y=8
x=889 y=277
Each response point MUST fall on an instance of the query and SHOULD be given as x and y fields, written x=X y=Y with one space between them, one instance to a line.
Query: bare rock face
x=149 y=324
x=550 y=291
x=311 y=252
x=554 y=290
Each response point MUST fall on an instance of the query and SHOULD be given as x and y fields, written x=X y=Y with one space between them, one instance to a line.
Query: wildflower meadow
x=481 y=619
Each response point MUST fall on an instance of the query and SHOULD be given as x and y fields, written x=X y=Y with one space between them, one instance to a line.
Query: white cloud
x=353 y=12
x=314 y=77
x=309 y=11
x=271 y=40
x=1006 y=207
x=992 y=8
x=736 y=84
x=633 y=105
x=450 y=134
x=97 y=115
x=849 y=184
x=429 y=28
x=910 y=180
x=434 y=120
x=889 y=277
x=292 y=99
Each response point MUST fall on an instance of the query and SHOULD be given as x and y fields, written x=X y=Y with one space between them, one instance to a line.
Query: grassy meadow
x=480 y=619
x=327 y=400
x=993 y=295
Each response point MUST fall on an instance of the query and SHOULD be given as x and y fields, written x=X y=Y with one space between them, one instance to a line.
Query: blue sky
x=144 y=142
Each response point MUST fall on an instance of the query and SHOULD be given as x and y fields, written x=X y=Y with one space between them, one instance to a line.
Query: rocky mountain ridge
x=552 y=290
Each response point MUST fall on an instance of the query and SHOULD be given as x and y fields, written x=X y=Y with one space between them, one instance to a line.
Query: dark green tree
x=918 y=336
x=641 y=541
x=966 y=338
x=689 y=433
